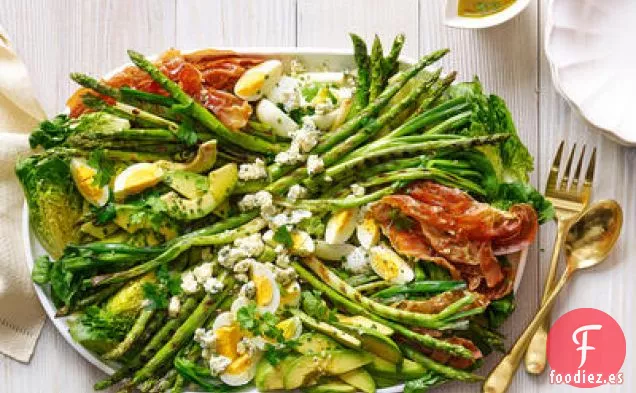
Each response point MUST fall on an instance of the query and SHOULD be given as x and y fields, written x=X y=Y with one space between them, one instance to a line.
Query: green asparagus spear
x=391 y=63
x=220 y=233
x=134 y=333
x=200 y=113
x=129 y=112
x=198 y=317
x=361 y=98
x=447 y=371
x=411 y=318
x=377 y=69
x=348 y=128
x=415 y=148
x=357 y=309
x=418 y=287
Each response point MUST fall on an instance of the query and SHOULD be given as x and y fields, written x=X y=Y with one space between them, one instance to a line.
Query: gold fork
x=569 y=203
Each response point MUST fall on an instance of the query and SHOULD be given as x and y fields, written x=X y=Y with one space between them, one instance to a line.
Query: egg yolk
x=239 y=365
x=84 y=176
x=264 y=290
x=141 y=179
x=227 y=339
x=250 y=83
x=388 y=267
x=288 y=327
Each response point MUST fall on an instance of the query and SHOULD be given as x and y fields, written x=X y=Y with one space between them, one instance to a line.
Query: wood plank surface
x=55 y=37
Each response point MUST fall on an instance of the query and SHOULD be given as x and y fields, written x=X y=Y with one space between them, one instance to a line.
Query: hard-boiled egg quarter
x=228 y=334
x=341 y=225
x=84 y=178
x=258 y=80
x=282 y=125
x=267 y=291
x=387 y=264
x=137 y=178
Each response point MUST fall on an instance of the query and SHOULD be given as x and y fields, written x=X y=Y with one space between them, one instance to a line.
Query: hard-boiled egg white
x=282 y=125
x=387 y=264
x=258 y=80
x=368 y=232
x=267 y=291
x=333 y=252
x=228 y=334
x=137 y=178
x=83 y=176
x=290 y=295
x=341 y=226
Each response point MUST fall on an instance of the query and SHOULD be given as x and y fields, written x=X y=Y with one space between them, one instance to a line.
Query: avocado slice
x=315 y=343
x=221 y=183
x=202 y=162
x=375 y=342
x=331 y=387
x=360 y=379
x=382 y=367
x=359 y=320
x=188 y=184
x=270 y=377
x=308 y=368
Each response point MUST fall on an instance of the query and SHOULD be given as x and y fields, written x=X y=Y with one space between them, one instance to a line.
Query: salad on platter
x=216 y=220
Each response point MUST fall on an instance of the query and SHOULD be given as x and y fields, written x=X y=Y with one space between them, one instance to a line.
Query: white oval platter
x=314 y=59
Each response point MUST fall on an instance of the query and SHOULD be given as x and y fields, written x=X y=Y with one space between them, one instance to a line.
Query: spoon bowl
x=588 y=243
x=593 y=236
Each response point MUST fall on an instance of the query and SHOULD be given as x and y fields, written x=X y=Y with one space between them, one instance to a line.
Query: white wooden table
x=55 y=37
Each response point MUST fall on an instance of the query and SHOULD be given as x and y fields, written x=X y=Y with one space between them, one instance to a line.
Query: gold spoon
x=588 y=243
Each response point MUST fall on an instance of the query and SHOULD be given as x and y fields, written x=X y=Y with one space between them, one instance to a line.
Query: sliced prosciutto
x=208 y=76
x=448 y=227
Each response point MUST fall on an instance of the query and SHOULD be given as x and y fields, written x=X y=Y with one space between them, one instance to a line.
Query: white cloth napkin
x=21 y=316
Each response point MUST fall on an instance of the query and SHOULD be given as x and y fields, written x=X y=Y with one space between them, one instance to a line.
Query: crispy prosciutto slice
x=448 y=227
x=208 y=76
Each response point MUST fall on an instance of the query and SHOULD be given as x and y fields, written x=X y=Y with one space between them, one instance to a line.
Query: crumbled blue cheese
x=218 y=364
x=244 y=247
x=296 y=192
x=261 y=199
x=315 y=165
x=174 y=307
x=290 y=156
x=254 y=171
x=357 y=261
x=243 y=266
x=285 y=276
x=248 y=290
x=307 y=136
x=324 y=107
x=282 y=259
x=213 y=285
x=203 y=272
x=357 y=190
x=252 y=245
x=292 y=217
x=189 y=283
x=205 y=338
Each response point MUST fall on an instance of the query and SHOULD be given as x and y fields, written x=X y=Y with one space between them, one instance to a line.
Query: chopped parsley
x=105 y=168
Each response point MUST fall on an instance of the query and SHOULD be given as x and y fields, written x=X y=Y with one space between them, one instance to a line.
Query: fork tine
x=589 y=175
x=554 y=170
x=568 y=167
x=577 y=172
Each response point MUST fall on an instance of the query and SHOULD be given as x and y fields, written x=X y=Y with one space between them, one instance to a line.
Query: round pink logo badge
x=586 y=348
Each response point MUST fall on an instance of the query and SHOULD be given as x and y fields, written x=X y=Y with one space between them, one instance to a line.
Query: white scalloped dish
x=588 y=44
x=312 y=58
